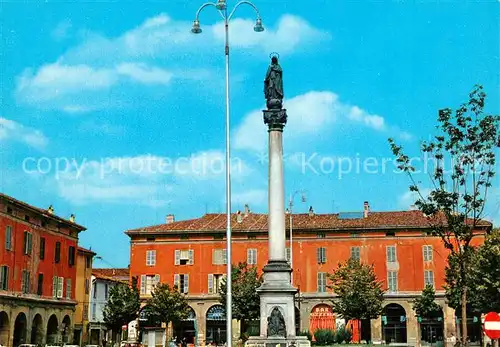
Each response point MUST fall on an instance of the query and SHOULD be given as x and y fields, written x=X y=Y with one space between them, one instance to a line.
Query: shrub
x=324 y=336
x=343 y=335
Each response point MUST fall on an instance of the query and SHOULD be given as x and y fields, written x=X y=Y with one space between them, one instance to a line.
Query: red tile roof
x=111 y=273
x=85 y=250
x=44 y=213
x=259 y=222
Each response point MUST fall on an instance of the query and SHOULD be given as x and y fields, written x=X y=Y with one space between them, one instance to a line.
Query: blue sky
x=122 y=108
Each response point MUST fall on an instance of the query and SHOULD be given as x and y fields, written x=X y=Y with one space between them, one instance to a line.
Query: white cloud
x=408 y=198
x=14 y=131
x=101 y=64
x=311 y=111
x=140 y=179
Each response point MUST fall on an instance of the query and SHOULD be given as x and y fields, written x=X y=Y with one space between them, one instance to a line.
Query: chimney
x=247 y=210
x=311 y=211
x=72 y=218
x=366 y=209
x=170 y=219
x=239 y=217
x=50 y=209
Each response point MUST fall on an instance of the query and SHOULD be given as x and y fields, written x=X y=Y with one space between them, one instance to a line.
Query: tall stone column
x=277 y=295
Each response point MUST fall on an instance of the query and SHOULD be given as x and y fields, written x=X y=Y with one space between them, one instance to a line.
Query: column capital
x=275 y=118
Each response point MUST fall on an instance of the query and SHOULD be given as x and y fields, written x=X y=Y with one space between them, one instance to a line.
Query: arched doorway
x=4 y=328
x=431 y=328
x=20 y=326
x=216 y=325
x=394 y=324
x=52 y=326
x=322 y=317
x=66 y=329
x=187 y=328
x=37 y=330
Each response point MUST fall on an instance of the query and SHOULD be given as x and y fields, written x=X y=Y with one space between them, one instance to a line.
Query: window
x=321 y=282
x=39 y=289
x=88 y=262
x=25 y=282
x=148 y=282
x=150 y=258
x=28 y=242
x=4 y=277
x=185 y=257
x=60 y=286
x=321 y=235
x=8 y=238
x=429 y=278
x=71 y=256
x=288 y=254
x=392 y=281
x=87 y=286
x=85 y=311
x=251 y=256
x=94 y=309
x=182 y=282
x=356 y=253
x=95 y=290
x=391 y=254
x=219 y=256
x=427 y=250
x=57 y=255
x=214 y=283
x=321 y=255
x=54 y=286
x=68 y=288
x=106 y=291
x=42 y=248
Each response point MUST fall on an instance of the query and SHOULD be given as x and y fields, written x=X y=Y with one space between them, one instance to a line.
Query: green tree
x=360 y=294
x=425 y=305
x=486 y=273
x=462 y=161
x=167 y=304
x=122 y=307
x=246 y=300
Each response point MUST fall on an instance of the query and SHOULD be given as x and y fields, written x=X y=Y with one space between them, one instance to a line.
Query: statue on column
x=273 y=84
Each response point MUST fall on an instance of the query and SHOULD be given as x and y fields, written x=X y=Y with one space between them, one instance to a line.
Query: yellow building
x=82 y=294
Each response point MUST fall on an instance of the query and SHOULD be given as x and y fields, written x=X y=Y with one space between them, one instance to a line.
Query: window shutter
x=30 y=243
x=60 y=287
x=143 y=284
x=318 y=255
x=186 y=283
x=177 y=257
x=323 y=250
x=224 y=256
x=68 y=288
x=2 y=276
x=54 y=286
x=25 y=242
x=214 y=256
x=177 y=281
x=8 y=238
x=191 y=257
x=210 y=283
x=157 y=279
x=249 y=256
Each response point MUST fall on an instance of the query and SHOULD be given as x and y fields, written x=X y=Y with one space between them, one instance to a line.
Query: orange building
x=191 y=254
x=37 y=274
x=82 y=294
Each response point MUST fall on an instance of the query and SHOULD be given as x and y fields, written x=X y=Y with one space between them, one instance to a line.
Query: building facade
x=82 y=295
x=38 y=274
x=101 y=283
x=405 y=254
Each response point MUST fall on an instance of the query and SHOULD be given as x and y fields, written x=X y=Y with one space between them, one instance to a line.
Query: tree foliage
x=245 y=299
x=167 y=304
x=486 y=274
x=123 y=305
x=453 y=281
x=360 y=294
x=462 y=158
x=425 y=305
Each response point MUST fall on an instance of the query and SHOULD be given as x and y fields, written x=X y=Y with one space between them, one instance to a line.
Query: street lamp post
x=290 y=211
x=221 y=6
